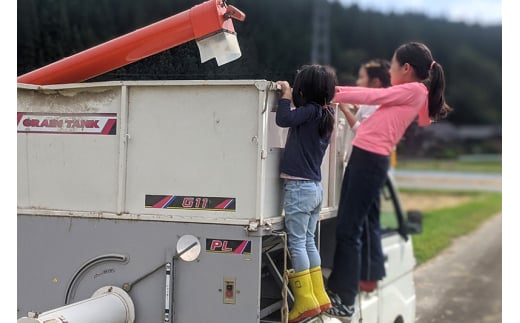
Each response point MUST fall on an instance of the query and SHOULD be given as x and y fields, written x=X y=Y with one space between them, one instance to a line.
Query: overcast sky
x=485 y=12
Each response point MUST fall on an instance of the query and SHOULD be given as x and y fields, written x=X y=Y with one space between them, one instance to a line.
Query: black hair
x=317 y=84
x=431 y=73
x=378 y=69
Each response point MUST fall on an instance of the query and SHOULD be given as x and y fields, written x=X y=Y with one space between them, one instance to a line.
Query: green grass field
x=441 y=226
x=451 y=165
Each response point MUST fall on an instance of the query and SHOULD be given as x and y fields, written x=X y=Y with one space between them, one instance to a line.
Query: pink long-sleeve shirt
x=398 y=107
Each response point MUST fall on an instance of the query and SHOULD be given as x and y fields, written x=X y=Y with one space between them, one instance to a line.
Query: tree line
x=275 y=39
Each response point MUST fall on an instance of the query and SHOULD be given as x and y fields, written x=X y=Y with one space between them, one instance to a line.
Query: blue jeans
x=365 y=176
x=302 y=205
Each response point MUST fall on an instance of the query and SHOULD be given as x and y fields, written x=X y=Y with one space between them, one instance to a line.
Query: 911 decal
x=237 y=247
x=67 y=123
x=190 y=202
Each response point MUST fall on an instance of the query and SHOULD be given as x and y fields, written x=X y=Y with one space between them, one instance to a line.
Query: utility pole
x=320 y=46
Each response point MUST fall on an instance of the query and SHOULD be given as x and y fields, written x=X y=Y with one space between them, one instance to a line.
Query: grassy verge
x=451 y=165
x=441 y=226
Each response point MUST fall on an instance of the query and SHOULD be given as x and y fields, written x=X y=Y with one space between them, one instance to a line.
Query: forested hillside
x=275 y=40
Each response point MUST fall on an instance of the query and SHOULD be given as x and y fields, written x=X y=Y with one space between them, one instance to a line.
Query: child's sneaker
x=340 y=311
x=334 y=298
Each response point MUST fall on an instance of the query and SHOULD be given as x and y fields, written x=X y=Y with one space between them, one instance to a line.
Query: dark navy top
x=304 y=149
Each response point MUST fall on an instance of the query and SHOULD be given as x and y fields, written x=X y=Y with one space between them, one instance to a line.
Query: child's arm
x=402 y=94
x=285 y=89
x=351 y=119
x=285 y=117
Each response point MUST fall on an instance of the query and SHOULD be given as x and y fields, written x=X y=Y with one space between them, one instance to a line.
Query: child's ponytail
x=327 y=121
x=418 y=55
x=437 y=106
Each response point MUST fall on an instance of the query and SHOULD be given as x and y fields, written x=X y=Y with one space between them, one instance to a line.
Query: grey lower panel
x=53 y=253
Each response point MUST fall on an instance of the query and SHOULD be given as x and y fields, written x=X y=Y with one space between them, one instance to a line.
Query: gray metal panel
x=201 y=141
x=52 y=249
x=74 y=172
x=273 y=185
x=325 y=170
x=185 y=138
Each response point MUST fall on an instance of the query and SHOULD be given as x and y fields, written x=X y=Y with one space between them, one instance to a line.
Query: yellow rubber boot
x=305 y=303
x=318 y=288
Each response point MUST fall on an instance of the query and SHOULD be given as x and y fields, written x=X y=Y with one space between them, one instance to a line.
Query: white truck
x=160 y=201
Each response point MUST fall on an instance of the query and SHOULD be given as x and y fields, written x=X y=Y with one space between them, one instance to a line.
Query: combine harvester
x=160 y=201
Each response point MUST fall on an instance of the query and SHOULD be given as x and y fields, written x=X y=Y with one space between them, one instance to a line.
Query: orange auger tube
x=198 y=22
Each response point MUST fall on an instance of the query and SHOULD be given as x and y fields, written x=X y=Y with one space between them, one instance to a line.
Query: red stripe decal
x=223 y=204
x=108 y=126
x=162 y=203
x=241 y=247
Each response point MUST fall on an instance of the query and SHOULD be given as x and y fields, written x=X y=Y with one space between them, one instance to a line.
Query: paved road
x=463 y=283
x=448 y=180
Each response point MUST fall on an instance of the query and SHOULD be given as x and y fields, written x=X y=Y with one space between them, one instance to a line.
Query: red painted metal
x=198 y=22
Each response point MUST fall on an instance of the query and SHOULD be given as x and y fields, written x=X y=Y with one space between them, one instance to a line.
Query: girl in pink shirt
x=417 y=90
